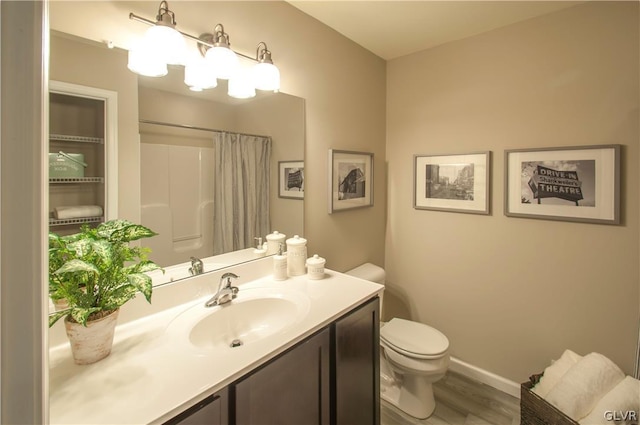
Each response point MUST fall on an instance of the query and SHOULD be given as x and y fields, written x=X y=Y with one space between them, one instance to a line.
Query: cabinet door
x=357 y=366
x=293 y=389
x=213 y=410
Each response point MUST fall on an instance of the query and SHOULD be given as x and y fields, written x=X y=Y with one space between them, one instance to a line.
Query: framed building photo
x=291 y=179
x=571 y=183
x=350 y=180
x=455 y=183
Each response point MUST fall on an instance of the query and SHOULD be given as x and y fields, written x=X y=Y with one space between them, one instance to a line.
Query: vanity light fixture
x=266 y=75
x=222 y=60
x=163 y=39
x=142 y=61
x=198 y=75
x=241 y=84
x=164 y=45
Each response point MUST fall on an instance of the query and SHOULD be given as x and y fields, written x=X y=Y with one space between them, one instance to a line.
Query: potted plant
x=96 y=271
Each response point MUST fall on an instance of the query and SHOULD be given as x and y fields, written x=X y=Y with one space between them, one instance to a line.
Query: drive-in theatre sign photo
x=549 y=183
x=573 y=184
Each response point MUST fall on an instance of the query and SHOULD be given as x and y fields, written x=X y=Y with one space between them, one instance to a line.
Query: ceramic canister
x=296 y=256
x=315 y=267
x=273 y=242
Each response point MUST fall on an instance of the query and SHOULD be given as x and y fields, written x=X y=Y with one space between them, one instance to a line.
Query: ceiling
x=391 y=29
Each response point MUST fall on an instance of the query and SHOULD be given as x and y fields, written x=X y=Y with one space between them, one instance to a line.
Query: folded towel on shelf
x=584 y=384
x=553 y=373
x=77 y=211
x=620 y=405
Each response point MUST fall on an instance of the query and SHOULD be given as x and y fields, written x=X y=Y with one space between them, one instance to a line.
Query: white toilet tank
x=370 y=272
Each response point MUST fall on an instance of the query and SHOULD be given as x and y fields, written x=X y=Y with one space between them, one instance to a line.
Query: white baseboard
x=498 y=382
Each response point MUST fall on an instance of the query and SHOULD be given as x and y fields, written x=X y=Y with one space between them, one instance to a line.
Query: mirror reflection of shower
x=179 y=172
x=196 y=211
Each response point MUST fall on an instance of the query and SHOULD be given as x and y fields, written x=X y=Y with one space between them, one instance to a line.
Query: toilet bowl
x=412 y=357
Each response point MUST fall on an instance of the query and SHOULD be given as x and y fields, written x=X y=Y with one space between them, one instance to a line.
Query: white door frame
x=24 y=38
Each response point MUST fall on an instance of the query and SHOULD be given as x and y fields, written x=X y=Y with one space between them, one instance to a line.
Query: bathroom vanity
x=318 y=381
x=298 y=351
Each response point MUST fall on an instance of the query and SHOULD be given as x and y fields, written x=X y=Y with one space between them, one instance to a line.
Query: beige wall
x=511 y=293
x=342 y=84
x=282 y=118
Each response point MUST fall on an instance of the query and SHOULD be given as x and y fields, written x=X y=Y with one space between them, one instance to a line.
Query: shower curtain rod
x=191 y=127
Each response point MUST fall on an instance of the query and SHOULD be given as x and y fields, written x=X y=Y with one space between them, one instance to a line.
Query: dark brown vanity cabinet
x=213 y=410
x=356 y=387
x=332 y=377
x=293 y=389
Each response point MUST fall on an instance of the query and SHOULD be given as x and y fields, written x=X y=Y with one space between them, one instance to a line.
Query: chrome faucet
x=196 y=266
x=226 y=292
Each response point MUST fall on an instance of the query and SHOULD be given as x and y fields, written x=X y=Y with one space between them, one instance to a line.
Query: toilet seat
x=414 y=339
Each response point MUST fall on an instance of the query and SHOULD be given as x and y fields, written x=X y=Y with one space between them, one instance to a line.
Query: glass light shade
x=199 y=75
x=266 y=76
x=168 y=43
x=241 y=85
x=223 y=61
x=144 y=62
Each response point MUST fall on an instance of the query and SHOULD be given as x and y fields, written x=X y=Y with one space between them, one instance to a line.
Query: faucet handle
x=229 y=276
x=225 y=279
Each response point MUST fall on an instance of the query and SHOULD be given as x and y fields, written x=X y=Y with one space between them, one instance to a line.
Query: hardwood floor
x=461 y=401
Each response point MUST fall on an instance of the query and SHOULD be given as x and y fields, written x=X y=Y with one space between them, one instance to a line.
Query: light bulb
x=143 y=61
x=198 y=74
x=241 y=85
x=223 y=61
x=167 y=42
x=266 y=76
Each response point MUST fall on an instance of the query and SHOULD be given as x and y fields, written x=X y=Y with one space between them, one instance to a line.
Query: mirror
x=171 y=166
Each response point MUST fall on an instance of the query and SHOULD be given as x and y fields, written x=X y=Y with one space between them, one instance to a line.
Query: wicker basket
x=534 y=410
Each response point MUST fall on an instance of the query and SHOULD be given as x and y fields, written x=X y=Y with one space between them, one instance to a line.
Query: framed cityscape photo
x=580 y=183
x=291 y=179
x=350 y=180
x=454 y=183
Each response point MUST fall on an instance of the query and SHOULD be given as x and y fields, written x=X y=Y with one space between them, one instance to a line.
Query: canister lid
x=296 y=241
x=315 y=261
x=276 y=236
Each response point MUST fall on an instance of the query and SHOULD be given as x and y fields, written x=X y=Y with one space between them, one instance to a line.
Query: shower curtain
x=241 y=190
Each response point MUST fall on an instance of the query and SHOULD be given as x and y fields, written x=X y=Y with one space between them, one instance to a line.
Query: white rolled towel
x=620 y=405
x=77 y=211
x=584 y=384
x=553 y=373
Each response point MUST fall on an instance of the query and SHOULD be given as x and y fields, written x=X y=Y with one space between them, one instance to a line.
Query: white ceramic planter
x=61 y=304
x=91 y=343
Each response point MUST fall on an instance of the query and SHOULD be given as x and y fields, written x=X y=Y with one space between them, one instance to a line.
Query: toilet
x=412 y=357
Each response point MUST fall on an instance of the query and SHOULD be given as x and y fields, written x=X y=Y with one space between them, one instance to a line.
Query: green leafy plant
x=96 y=270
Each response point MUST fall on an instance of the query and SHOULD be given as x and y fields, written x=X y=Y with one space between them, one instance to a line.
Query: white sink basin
x=255 y=314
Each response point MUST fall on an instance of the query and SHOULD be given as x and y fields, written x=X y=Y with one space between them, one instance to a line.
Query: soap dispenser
x=280 y=264
x=260 y=251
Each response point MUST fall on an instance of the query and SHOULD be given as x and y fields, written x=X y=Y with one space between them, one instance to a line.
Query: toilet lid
x=413 y=338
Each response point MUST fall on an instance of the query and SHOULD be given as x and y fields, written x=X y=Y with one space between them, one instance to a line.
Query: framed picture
x=571 y=183
x=455 y=183
x=350 y=180
x=291 y=179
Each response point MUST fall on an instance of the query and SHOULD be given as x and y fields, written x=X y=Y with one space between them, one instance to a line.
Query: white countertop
x=153 y=373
